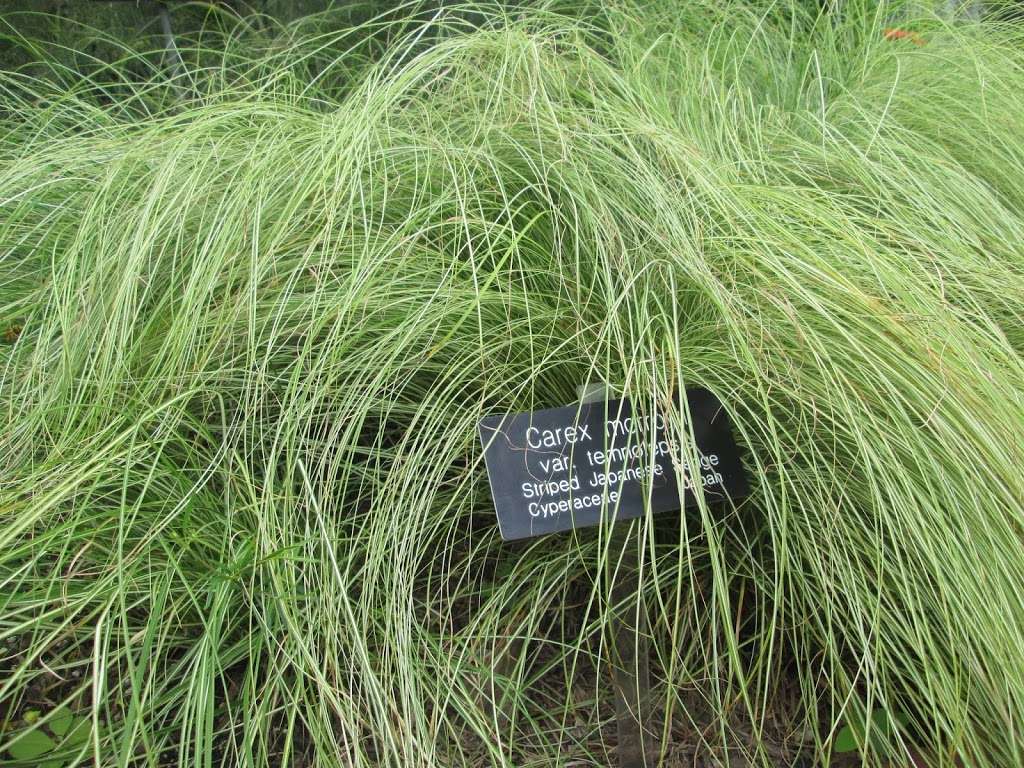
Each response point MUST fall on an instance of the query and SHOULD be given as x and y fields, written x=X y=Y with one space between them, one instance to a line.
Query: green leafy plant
x=878 y=730
x=36 y=744
x=264 y=299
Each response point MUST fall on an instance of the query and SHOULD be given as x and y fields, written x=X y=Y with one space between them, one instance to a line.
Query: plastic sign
x=571 y=467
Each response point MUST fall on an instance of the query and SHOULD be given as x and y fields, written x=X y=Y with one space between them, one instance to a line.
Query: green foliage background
x=242 y=298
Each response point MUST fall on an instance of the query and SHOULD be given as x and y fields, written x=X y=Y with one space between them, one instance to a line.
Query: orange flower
x=895 y=33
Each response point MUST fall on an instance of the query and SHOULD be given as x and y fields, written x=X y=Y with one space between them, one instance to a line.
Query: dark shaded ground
x=67 y=23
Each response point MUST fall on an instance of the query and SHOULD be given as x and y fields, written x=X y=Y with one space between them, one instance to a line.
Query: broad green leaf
x=844 y=740
x=79 y=734
x=851 y=736
x=61 y=721
x=31 y=745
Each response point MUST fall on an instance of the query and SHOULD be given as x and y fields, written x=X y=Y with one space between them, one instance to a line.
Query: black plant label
x=572 y=467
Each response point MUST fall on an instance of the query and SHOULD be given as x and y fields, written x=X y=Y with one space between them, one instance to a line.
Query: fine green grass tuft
x=252 y=310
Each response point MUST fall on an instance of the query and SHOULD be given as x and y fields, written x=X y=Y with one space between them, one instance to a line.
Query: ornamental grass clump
x=253 y=310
